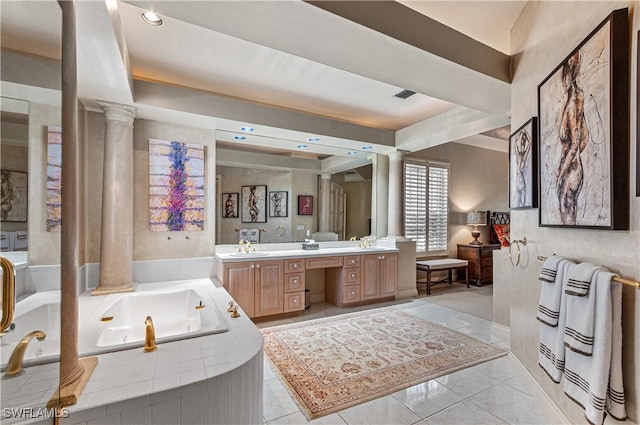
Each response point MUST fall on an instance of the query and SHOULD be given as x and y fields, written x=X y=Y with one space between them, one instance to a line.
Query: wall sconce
x=475 y=219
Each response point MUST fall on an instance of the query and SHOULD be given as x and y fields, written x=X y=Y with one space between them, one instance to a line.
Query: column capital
x=325 y=176
x=396 y=155
x=118 y=112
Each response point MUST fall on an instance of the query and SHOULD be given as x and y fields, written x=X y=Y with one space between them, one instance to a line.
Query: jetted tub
x=179 y=310
x=38 y=312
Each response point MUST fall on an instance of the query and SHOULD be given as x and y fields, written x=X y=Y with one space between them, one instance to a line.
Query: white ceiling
x=286 y=54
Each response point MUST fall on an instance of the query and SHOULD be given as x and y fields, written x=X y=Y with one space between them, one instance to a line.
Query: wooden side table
x=480 y=259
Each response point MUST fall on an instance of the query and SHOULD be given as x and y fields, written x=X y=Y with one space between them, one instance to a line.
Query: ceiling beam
x=405 y=24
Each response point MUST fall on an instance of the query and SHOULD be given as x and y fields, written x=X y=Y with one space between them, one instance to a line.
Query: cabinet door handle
x=257 y=266
x=295 y=280
x=251 y=266
x=382 y=257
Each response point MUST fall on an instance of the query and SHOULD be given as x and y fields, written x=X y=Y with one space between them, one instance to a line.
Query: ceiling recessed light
x=151 y=18
x=301 y=146
x=239 y=137
x=313 y=139
x=351 y=153
x=367 y=148
x=247 y=129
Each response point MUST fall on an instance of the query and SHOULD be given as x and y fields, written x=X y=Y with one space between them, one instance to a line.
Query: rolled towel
x=580 y=279
x=578 y=334
x=551 y=291
x=550 y=268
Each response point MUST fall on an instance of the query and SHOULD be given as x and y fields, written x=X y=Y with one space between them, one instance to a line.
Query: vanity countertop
x=299 y=253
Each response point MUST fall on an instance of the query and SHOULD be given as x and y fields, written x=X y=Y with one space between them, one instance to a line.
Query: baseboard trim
x=550 y=408
x=407 y=293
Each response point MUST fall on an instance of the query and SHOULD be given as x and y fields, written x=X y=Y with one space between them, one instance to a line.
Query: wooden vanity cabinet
x=257 y=286
x=362 y=278
x=379 y=276
x=238 y=280
x=294 y=285
x=269 y=288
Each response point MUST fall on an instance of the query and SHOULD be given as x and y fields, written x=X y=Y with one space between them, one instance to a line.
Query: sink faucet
x=150 y=336
x=365 y=243
x=14 y=367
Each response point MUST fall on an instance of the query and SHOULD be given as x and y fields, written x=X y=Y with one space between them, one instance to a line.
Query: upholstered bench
x=448 y=264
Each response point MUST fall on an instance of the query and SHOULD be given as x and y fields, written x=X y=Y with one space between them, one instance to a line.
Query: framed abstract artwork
x=523 y=177
x=230 y=205
x=176 y=186
x=305 y=205
x=13 y=202
x=254 y=203
x=54 y=179
x=279 y=203
x=583 y=118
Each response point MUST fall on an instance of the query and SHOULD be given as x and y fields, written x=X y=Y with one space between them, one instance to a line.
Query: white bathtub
x=172 y=306
x=40 y=311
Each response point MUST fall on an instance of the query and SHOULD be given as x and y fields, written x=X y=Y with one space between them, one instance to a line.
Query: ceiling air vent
x=405 y=94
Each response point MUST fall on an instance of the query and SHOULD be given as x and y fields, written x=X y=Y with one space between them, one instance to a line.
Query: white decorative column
x=324 y=211
x=396 y=195
x=407 y=255
x=380 y=195
x=116 y=242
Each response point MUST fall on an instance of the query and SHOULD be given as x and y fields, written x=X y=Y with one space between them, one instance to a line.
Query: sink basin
x=249 y=254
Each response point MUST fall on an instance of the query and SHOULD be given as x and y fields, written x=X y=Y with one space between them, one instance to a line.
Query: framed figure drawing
x=279 y=203
x=305 y=205
x=13 y=202
x=254 y=203
x=523 y=191
x=583 y=117
x=230 y=205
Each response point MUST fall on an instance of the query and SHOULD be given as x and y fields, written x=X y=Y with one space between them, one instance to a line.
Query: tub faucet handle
x=234 y=312
x=14 y=367
x=150 y=336
x=230 y=308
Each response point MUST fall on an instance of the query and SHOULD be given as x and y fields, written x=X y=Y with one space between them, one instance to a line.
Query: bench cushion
x=442 y=264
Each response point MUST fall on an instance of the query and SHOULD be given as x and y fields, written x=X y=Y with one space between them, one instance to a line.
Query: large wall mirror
x=285 y=176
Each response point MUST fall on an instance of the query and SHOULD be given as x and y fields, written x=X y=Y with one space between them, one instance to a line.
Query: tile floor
x=489 y=393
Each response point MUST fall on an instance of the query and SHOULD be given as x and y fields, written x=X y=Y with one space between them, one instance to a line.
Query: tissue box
x=310 y=246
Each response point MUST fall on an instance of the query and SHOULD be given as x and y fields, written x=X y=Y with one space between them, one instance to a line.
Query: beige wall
x=44 y=247
x=358 y=208
x=14 y=158
x=232 y=180
x=148 y=245
x=545 y=33
x=478 y=180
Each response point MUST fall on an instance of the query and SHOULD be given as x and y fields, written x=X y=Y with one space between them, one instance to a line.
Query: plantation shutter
x=427 y=206
x=415 y=201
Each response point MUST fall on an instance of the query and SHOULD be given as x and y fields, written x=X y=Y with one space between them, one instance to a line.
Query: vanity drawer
x=350 y=293
x=351 y=276
x=296 y=265
x=323 y=262
x=352 y=261
x=294 y=282
x=294 y=301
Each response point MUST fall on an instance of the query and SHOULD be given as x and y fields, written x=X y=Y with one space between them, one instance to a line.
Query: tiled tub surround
x=172 y=306
x=197 y=380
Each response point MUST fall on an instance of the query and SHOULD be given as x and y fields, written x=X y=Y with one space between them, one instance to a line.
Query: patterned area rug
x=334 y=363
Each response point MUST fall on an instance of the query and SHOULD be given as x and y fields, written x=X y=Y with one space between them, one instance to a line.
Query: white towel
x=551 y=291
x=551 y=350
x=580 y=279
x=243 y=235
x=550 y=268
x=595 y=382
x=578 y=334
x=254 y=236
x=20 y=241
